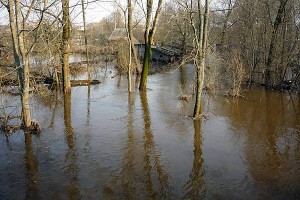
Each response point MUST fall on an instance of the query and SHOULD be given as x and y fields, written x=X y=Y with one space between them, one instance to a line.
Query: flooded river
x=102 y=143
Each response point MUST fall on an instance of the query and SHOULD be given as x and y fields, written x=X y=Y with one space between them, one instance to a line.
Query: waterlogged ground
x=101 y=143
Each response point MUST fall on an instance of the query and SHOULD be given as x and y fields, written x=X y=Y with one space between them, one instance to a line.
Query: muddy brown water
x=101 y=143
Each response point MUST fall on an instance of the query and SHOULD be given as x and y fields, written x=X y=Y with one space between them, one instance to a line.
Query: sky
x=94 y=11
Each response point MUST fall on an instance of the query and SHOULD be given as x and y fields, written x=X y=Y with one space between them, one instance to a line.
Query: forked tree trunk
x=201 y=47
x=148 y=36
x=66 y=46
x=21 y=58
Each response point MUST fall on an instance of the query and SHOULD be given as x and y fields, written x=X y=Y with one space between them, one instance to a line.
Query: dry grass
x=236 y=73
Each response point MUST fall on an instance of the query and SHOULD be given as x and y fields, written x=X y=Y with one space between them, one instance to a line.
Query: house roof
x=167 y=50
x=121 y=33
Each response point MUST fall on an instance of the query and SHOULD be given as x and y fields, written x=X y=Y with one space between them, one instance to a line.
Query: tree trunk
x=25 y=95
x=21 y=59
x=138 y=69
x=85 y=41
x=149 y=35
x=146 y=65
x=271 y=54
x=224 y=28
x=66 y=46
x=199 y=87
x=201 y=56
x=130 y=42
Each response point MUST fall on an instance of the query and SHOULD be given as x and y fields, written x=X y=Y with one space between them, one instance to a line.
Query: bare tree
x=271 y=54
x=229 y=5
x=85 y=40
x=22 y=51
x=201 y=37
x=149 y=36
x=65 y=45
x=129 y=34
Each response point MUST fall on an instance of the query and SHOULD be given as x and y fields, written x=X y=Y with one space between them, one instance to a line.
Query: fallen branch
x=84 y=82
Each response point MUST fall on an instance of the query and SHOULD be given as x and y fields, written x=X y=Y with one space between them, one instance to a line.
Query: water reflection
x=71 y=154
x=140 y=146
x=151 y=157
x=129 y=161
x=87 y=125
x=88 y=112
x=54 y=109
x=182 y=78
x=195 y=187
x=31 y=166
x=271 y=139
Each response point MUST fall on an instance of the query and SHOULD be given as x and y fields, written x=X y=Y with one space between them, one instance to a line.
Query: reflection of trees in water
x=51 y=100
x=150 y=154
x=119 y=81
x=168 y=100
x=71 y=155
x=182 y=78
x=195 y=187
x=31 y=164
x=128 y=184
x=142 y=173
x=54 y=108
x=88 y=115
x=270 y=138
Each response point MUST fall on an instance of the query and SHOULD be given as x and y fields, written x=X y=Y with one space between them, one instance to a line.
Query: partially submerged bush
x=235 y=74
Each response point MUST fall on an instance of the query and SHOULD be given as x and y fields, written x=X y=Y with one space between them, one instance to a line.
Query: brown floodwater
x=102 y=143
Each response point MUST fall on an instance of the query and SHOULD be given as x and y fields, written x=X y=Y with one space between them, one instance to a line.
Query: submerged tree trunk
x=201 y=47
x=138 y=69
x=271 y=53
x=148 y=36
x=130 y=43
x=66 y=46
x=146 y=65
x=21 y=58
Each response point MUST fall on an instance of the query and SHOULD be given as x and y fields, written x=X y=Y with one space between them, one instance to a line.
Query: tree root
x=199 y=117
x=183 y=97
x=9 y=129
x=34 y=128
x=232 y=95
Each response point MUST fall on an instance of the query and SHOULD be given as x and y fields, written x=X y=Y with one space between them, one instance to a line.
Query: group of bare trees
x=266 y=33
x=197 y=20
x=258 y=41
x=19 y=15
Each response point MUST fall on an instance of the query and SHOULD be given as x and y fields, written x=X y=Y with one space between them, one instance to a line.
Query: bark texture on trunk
x=86 y=41
x=146 y=65
x=130 y=42
x=21 y=58
x=148 y=36
x=201 y=46
x=66 y=46
x=271 y=54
